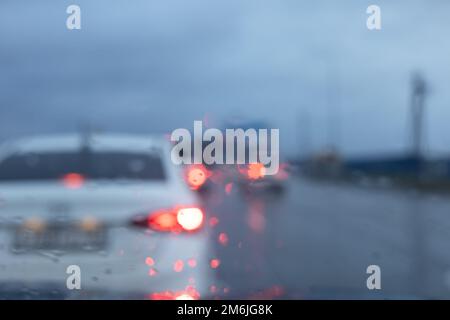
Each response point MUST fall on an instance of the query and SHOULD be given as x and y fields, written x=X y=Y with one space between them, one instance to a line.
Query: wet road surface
x=316 y=241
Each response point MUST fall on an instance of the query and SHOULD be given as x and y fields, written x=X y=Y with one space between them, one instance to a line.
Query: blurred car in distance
x=253 y=179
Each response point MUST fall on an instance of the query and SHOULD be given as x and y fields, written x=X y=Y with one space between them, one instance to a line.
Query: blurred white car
x=113 y=205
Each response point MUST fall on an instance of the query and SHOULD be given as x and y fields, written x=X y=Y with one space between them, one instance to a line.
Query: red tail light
x=73 y=180
x=196 y=176
x=256 y=171
x=163 y=221
x=172 y=220
x=189 y=293
x=190 y=218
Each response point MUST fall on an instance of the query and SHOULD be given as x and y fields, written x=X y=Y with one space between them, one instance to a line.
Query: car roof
x=96 y=141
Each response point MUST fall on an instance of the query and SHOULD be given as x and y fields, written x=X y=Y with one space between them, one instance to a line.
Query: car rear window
x=93 y=165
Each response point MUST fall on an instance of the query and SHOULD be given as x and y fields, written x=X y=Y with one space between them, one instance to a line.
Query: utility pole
x=304 y=135
x=419 y=92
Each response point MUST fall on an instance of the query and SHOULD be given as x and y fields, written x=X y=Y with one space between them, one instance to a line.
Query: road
x=317 y=240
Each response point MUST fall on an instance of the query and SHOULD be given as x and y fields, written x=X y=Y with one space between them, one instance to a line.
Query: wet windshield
x=303 y=149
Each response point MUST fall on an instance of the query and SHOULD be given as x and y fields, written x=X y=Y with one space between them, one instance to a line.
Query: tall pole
x=333 y=108
x=419 y=91
x=304 y=134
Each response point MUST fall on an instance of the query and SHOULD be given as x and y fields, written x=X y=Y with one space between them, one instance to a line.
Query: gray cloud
x=157 y=65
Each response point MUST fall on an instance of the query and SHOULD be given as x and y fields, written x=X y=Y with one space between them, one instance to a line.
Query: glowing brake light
x=256 y=171
x=172 y=220
x=196 y=176
x=73 y=180
x=184 y=296
x=190 y=218
x=162 y=221
x=189 y=293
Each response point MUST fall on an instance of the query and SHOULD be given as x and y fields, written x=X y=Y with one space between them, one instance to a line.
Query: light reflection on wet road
x=316 y=241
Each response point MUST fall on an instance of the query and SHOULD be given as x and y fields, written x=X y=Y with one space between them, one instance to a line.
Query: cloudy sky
x=146 y=66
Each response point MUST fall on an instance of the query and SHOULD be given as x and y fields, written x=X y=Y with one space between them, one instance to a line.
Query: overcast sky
x=145 y=66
